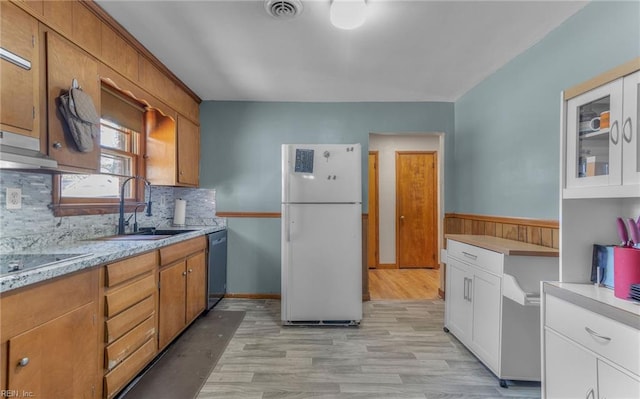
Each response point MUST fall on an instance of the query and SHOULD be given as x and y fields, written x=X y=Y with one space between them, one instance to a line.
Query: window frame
x=77 y=206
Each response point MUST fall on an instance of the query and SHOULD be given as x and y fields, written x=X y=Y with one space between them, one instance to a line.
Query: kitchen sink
x=146 y=235
x=163 y=232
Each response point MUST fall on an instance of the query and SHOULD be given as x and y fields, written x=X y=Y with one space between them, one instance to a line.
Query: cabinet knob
x=190 y=270
x=184 y=273
x=402 y=217
x=23 y=362
x=57 y=145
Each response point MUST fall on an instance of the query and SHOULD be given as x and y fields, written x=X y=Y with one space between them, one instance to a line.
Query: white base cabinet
x=492 y=306
x=586 y=354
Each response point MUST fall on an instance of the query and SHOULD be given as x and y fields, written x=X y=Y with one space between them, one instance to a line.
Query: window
x=121 y=156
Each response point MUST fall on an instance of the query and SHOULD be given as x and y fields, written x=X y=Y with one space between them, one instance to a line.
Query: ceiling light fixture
x=348 y=14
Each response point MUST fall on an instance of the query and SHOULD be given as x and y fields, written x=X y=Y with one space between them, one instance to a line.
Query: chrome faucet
x=121 y=222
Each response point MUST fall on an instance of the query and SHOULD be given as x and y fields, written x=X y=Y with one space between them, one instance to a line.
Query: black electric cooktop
x=12 y=263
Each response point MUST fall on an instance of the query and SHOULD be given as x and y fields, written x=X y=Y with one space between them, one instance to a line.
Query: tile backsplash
x=35 y=226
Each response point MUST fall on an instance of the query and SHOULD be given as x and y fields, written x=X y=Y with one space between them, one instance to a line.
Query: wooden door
x=18 y=110
x=416 y=209
x=373 y=254
x=196 y=290
x=172 y=302
x=66 y=62
x=59 y=358
x=188 y=152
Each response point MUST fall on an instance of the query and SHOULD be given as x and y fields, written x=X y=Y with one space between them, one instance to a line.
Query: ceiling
x=405 y=51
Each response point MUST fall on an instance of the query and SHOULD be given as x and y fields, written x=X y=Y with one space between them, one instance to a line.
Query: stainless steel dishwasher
x=217 y=264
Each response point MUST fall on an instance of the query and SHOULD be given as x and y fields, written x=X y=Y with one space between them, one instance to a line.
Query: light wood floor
x=398 y=352
x=404 y=283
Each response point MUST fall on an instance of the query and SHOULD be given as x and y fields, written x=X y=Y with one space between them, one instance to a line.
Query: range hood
x=23 y=152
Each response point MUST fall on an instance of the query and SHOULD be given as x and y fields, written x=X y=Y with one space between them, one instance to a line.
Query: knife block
x=626 y=270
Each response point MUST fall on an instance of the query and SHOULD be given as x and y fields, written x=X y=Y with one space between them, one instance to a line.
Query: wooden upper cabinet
x=159 y=84
x=156 y=82
x=58 y=15
x=188 y=152
x=117 y=53
x=87 y=29
x=36 y=5
x=19 y=112
x=64 y=63
x=173 y=152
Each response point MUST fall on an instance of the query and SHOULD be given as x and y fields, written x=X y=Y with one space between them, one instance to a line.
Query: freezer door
x=321 y=262
x=317 y=173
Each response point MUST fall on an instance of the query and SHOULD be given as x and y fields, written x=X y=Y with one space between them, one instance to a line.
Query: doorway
x=387 y=280
x=416 y=209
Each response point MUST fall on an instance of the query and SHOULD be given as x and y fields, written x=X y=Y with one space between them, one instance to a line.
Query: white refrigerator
x=321 y=234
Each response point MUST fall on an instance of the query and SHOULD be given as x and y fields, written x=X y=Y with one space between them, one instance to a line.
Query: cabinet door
x=172 y=302
x=64 y=63
x=570 y=372
x=18 y=32
x=59 y=358
x=188 y=152
x=458 y=305
x=631 y=143
x=614 y=384
x=594 y=153
x=196 y=278
x=486 y=303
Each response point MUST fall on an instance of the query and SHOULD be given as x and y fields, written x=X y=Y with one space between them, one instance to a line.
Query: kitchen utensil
x=622 y=232
x=634 y=231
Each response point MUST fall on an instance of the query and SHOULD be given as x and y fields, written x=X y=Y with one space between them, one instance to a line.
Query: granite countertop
x=101 y=252
x=600 y=300
x=504 y=246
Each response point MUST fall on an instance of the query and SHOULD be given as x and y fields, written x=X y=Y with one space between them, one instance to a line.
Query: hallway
x=404 y=283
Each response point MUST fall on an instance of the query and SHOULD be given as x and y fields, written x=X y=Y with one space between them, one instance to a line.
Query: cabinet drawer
x=608 y=338
x=480 y=257
x=119 y=350
x=125 y=321
x=120 y=299
x=122 y=374
x=129 y=268
x=180 y=250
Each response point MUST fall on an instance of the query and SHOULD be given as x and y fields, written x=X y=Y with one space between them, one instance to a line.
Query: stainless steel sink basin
x=163 y=232
x=146 y=235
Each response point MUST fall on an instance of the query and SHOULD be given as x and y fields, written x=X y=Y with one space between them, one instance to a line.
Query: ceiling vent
x=283 y=9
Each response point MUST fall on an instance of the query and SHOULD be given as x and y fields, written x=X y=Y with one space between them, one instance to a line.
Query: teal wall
x=507 y=127
x=241 y=158
x=504 y=159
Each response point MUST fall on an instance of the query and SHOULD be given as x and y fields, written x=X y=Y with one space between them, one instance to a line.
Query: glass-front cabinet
x=602 y=140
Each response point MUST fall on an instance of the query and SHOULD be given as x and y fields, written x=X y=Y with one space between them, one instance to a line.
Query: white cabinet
x=587 y=354
x=570 y=370
x=500 y=329
x=601 y=139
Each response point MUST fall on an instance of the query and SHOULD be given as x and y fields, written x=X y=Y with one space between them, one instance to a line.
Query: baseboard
x=387 y=266
x=252 y=296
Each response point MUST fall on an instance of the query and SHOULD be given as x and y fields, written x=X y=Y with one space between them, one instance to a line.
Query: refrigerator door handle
x=286 y=219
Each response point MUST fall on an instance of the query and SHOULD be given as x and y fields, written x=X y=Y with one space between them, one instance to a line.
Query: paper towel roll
x=179 y=212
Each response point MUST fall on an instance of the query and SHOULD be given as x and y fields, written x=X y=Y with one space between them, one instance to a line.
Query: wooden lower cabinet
x=172 y=302
x=49 y=338
x=130 y=337
x=182 y=287
x=196 y=277
x=54 y=360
